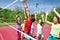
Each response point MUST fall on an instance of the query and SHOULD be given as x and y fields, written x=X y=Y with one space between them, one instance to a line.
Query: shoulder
x=58 y=24
x=26 y=18
x=55 y=25
x=38 y=25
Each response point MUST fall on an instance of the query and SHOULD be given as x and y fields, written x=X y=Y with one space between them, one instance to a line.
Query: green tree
x=52 y=14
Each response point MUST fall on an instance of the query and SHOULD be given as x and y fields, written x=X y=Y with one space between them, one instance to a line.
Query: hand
x=31 y=33
x=54 y=9
x=59 y=35
x=42 y=15
x=42 y=37
x=47 y=13
x=16 y=16
x=25 y=6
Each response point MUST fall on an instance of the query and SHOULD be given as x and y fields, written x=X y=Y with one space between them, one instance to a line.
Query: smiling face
x=32 y=18
x=55 y=19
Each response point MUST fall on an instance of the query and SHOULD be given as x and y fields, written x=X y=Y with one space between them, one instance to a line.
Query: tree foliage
x=52 y=14
x=9 y=15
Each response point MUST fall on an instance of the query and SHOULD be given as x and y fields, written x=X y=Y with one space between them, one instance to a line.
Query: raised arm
x=35 y=17
x=56 y=12
x=43 y=17
x=47 y=20
x=25 y=12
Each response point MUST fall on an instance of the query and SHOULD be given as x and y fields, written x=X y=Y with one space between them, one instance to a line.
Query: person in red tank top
x=28 y=24
x=29 y=18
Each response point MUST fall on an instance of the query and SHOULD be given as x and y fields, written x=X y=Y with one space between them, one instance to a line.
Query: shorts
x=38 y=34
x=50 y=37
x=27 y=38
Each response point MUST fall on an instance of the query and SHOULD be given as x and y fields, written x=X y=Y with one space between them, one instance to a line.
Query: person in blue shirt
x=40 y=30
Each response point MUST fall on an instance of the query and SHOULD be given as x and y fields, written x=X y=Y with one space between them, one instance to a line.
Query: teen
x=22 y=35
x=18 y=21
x=34 y=28
x=56 y=12
x=28 y=21
x=55 y=28
x=40 y=29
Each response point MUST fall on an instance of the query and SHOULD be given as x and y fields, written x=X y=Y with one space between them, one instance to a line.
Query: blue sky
x=44 y=5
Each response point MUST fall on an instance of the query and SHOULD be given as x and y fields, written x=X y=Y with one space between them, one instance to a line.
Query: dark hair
x=17 y=17
x=57 y=18
x=32 y=18
x=42 y=23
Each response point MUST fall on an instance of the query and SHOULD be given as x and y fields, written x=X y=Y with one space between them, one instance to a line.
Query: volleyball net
x=25 y=35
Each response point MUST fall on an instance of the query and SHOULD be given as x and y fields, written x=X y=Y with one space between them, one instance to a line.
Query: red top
x=28 y=24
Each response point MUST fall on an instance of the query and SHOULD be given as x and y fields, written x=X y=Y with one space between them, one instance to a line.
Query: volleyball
x=23 y=0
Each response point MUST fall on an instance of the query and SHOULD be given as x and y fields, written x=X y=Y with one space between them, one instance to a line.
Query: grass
x=12 y=23
x=3 y=24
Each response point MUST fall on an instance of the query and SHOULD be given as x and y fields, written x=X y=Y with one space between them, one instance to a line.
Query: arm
x=47 y=20
x=56 y=12
x=32 y=28
x=42 y=35
x=59 y=35
x=25 y=12
x=43 y=17
x=35 y=17
x=59 y=31
x=16 y=18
